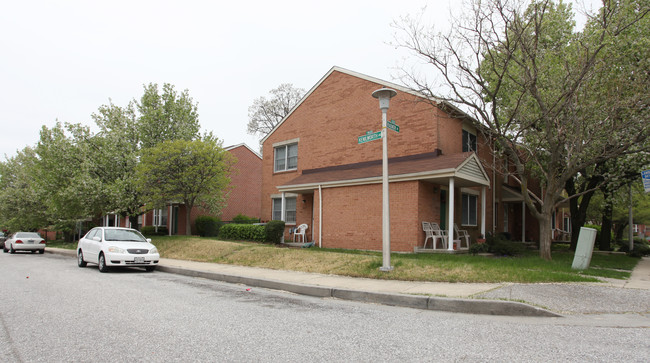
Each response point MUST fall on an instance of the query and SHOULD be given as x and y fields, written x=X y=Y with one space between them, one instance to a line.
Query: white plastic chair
x=462 y=234
x=432 y=230
x=300 y=231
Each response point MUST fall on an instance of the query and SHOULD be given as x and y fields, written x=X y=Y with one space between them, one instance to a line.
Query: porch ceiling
x=431 y=167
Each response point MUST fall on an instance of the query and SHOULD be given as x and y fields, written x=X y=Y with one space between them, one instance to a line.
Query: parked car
x=3 y=238
x=116 y=247
x=24 y=241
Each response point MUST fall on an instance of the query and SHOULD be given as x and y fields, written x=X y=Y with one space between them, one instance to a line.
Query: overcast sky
x=61 y=60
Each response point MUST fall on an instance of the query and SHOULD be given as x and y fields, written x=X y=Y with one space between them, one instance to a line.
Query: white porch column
x=523 y=221
x=483 y=209
x=116 y=220
x=283 y=209
x=450 y=227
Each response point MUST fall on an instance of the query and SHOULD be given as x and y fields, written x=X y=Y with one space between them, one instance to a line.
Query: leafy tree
x=531 y=84
x=264 y=114
x=21 y=201
x=194 y=172
x=166 y=116
x=114 y=151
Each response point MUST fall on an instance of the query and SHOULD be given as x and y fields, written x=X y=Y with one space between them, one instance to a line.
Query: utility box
x=585 y=248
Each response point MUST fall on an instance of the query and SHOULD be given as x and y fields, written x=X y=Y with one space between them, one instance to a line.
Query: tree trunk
x=545 y=236
x=605 y=243
x=133 y=221
x=188 y=227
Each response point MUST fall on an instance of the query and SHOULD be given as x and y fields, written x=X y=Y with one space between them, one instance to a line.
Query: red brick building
x=244 y=197
x=246 y=182
x=441 y=170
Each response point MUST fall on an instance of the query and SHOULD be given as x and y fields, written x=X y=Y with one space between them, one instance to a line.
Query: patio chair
x=462 y=234
x=436 y=234
x=300 y=231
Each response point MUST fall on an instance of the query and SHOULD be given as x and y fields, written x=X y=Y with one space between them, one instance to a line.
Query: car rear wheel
x=102 y=263
x=42 y=251
x=5 y=250
x=11 y=249
x=80 y=260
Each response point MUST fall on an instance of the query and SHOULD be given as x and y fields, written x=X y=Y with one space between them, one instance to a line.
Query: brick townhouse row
x=244 y=197
x=314 y=171
x=441 y=169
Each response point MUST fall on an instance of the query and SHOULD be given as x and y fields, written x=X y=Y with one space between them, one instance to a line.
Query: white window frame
x=158 y=215
x=469 y=201
x=287 y=146
x=289 y=213
x=470 y=137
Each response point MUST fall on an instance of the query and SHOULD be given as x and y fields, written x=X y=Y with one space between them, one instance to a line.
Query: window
x=469 y=209
x=290 y=209
x=160 y=217
x=286 y=157
x=469 y=141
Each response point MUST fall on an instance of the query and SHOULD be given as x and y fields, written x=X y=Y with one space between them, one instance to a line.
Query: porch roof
x=432 y=167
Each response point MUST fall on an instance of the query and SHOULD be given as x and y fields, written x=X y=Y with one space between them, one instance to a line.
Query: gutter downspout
x=320 y=216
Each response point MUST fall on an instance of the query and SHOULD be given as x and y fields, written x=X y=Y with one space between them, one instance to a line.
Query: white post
x=385 y=196
x=483 y=208
x=384 y=95
x=450 y=227
x=320 y=216
x=283 y=209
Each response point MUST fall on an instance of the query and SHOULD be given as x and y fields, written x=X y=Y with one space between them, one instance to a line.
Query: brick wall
x=246 y=183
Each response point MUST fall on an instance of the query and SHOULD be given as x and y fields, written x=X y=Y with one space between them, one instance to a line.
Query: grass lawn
x=417 y=267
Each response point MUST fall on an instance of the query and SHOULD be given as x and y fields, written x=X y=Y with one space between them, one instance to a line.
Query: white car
x=116 y=247
x=24 y=241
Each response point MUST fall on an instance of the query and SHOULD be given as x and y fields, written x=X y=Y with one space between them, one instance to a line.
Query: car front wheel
x=80 y=260
x=102 y=263
x=150 y=268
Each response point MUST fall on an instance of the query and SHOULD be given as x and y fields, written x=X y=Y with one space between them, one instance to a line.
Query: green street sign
x=369 y=136
x=391 y=125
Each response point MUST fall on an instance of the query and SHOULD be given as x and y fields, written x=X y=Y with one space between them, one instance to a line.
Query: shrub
x=500 y=246
x=641 y=248
x=243 y=232
x=207 y=226
x=151 y=231
x=242 y=219
x=477 y=248
x=275 y=231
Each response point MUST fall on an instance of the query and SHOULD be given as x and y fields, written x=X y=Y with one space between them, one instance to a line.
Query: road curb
x=452 y=305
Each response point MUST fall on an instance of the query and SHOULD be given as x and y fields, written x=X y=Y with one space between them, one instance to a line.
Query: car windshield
x=124 y=235
x=27 y=235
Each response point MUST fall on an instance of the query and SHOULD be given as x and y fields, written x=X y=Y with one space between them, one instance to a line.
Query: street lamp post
x=384 y=95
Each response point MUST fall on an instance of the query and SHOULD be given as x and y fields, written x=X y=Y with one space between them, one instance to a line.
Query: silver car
x=116 y=247
x=24 y=241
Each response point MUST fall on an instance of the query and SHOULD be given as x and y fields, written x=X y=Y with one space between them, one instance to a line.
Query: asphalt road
x=53 y=311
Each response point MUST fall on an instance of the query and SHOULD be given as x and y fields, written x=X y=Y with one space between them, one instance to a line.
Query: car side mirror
x=98 y=239
x=149 y=240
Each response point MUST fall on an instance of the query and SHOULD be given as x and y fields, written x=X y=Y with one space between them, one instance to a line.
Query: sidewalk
x=614 y=296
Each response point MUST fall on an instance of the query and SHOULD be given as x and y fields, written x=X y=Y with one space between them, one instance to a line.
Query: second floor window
x=286 y=157
x=469 y=141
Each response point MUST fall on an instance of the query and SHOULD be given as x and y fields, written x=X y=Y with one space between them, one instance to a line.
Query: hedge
x=243 y=232
x=207 y=226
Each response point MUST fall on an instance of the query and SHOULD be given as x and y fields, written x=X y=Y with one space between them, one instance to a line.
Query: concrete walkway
x=612 y=296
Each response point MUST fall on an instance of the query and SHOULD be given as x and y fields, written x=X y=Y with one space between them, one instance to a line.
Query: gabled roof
x=246 y=146
x=433 y=167
x=367 y=78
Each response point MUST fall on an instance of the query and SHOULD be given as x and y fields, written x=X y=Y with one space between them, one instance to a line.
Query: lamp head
x=384 y=95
